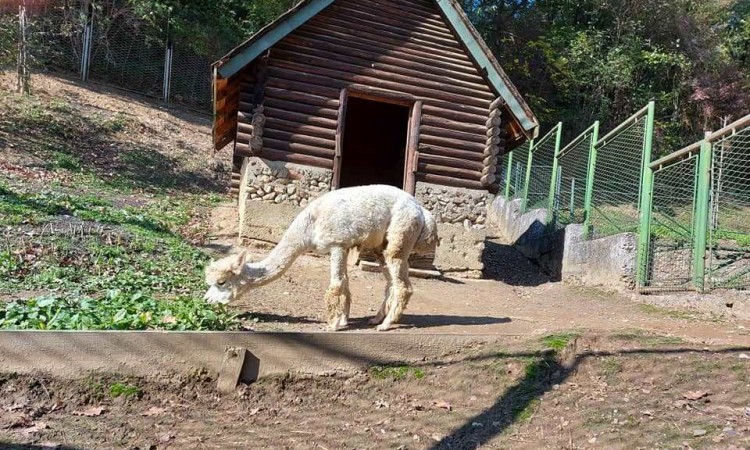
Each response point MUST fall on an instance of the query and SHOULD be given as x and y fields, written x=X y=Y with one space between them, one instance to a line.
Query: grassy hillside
x=103 y=208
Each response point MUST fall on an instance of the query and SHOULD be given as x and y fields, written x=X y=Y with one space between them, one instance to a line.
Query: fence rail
x=689 y=209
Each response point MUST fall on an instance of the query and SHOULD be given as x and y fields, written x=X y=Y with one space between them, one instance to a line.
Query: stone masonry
x=272 y=193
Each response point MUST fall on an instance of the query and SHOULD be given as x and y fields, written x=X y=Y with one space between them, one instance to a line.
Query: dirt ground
x=516 y=299
x=648 y=372
x=626 y=391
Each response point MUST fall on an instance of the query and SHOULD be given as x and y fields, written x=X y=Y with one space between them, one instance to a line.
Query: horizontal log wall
x=398 y=47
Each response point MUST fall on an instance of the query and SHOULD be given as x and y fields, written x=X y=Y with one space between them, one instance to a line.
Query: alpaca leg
x=387 y=295
x=337 y=296
x=401 y=291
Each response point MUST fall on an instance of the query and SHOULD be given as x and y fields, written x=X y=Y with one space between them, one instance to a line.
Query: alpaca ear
x=241 y=258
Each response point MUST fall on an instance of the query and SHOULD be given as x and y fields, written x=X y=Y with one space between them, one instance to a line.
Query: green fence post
x=551 y=216
x=645 y=200
x=700 y=227
x=508 y=176
x=528 y=177
x=589 y=196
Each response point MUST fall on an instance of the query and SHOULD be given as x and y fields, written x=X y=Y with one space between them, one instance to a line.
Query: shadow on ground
x=548 y=370
x=504 y=263
x=437 y=320
x=76 y=137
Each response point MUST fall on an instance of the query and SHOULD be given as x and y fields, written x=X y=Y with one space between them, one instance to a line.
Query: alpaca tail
x=428 y=238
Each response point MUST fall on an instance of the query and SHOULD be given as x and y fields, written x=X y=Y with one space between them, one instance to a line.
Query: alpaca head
x=225 y=279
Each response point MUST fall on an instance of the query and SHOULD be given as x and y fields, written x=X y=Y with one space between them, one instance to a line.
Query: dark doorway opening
x=374 y=147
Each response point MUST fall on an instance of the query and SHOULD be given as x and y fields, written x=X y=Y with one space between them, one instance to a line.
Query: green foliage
x=124 y=390
x=105 y=266
x=113 y=311
x=209 y=26
x=395 y=373
x=581 y=60
x=558 y=341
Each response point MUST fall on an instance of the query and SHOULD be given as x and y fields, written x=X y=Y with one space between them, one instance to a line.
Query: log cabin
x=338 y=93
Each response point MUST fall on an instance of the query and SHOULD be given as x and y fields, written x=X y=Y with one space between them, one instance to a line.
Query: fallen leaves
x=695 y=395
x=153 y=411
x=442 y=404
x=91 y=412
x=37 y=427
x=15 y=420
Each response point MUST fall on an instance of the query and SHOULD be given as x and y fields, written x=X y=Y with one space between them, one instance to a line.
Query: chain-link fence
x=728 y=264
x=50 y=31
x=541 y=169
x=690 y=210
x=514 y=173
x=617 y=181
x=574 y=166
x=110 y=42
x=671 y=242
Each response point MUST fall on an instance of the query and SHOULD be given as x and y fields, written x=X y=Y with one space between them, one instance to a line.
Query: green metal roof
x=264 y=39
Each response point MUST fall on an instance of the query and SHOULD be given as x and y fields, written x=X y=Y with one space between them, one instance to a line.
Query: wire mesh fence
x=671 y=249
x=51 y=31
x=573 y=167
x=126 y=51
x=123 y=50
x=514 y=173
x=540 y=173
x=617 y=179
x=728 y=264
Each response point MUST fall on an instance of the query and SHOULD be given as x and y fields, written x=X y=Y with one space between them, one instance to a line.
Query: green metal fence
x=540 y=169
x=668 y=233
x=690 y=209
x=728 y=258
x=514 y=174
x=620 y=158
x=696 y=234
x=526 y=174
x=570 y=199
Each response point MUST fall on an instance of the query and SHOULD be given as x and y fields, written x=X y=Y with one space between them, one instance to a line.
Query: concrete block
x=608 y=261
x=266 y=221
x=460 y=250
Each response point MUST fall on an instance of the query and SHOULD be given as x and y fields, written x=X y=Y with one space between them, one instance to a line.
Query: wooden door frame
x=412 y=133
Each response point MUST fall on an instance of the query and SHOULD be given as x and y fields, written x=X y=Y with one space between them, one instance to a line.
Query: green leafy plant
x=114 y=311
x=124 y=390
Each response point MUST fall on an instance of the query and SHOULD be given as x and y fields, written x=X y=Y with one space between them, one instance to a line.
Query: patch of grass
x=65 y=161
x=558 y=341
x=665 y=312
x=124 y=390
x=740 y=371
x=650 y=340
x=396 y=373
x=105 y=264
x=611 y=367
x=528 y=412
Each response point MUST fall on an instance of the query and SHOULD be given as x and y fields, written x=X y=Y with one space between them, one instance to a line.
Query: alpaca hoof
x=338 y=324
x=375 y=320
x=383 y=327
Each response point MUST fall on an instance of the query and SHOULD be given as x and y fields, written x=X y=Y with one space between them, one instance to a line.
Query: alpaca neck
x=291 y=246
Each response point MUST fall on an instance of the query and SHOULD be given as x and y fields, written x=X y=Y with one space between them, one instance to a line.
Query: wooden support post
x=341 y=121
x=412 y=149
x=231 y=369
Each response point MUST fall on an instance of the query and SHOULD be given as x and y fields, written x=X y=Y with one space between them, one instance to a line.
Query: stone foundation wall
x=453 y=205
x=272 y=193
x=279 y=182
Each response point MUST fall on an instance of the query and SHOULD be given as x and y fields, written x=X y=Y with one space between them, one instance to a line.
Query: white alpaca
x=380 y=218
